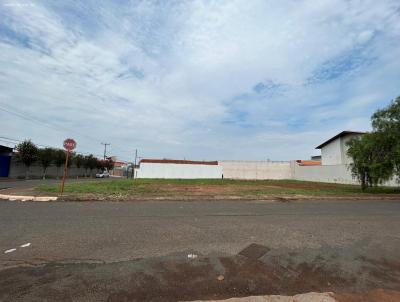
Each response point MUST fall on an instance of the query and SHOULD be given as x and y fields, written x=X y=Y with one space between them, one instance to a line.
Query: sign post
x=69 y=145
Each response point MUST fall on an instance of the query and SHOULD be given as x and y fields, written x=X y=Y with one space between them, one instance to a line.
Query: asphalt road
x=138 y=251
x=122 y=231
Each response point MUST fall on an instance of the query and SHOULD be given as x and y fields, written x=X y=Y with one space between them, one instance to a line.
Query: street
x=126 y=238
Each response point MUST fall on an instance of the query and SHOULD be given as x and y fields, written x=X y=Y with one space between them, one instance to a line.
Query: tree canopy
x=27 y=152
x=45 y=158
x=376 y=155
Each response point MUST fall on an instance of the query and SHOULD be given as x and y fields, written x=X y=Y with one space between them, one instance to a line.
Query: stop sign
x=69 y=144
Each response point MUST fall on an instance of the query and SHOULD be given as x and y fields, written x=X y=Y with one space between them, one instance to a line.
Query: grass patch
x=214 y=187
x=113 y=187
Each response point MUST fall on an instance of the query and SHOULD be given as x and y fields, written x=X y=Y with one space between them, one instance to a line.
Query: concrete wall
x=332 y=174
x=323 y=173
x=178 y=171
x=17 y=170
x=256 y=169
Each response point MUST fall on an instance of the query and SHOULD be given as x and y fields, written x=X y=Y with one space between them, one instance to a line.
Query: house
x=178 y=169
x=334 y=150
x=121 y=168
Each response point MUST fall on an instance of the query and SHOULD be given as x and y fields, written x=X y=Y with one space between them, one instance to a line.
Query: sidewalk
x=309 y=297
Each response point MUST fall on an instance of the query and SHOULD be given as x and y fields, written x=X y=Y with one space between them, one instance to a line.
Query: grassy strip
x=183 y=187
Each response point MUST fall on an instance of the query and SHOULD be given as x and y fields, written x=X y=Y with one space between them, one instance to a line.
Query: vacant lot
x=124 y=189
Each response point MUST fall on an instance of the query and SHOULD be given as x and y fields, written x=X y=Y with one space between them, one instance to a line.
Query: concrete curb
x=27 y=198
x=309 y=297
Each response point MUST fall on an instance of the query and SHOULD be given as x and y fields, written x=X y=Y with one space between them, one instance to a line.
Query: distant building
x=302 y=162
x=121 y=168
x=334 y=150
x=178 y=169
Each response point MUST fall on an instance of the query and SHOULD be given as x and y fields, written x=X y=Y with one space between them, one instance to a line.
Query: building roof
x=120 y=163
x=5 y=149
x=308 y=162
x=184 y=162
x=343 y=133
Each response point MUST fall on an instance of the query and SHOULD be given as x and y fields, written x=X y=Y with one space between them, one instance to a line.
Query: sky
x=200 y=80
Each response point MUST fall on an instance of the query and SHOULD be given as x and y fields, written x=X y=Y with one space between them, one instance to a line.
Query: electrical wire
x=52 y=126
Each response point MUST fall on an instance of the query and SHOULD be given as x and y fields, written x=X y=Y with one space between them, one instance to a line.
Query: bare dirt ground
x=177 y=278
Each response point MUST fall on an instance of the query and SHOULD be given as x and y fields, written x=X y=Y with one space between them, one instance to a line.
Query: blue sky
x=196 y=79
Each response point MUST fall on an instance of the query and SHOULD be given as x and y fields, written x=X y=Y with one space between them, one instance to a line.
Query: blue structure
x=5 y=160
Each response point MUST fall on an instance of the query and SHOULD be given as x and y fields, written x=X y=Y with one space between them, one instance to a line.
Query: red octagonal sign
x=69 y=144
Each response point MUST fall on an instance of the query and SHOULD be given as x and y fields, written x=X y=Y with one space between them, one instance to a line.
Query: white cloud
x=177 y=80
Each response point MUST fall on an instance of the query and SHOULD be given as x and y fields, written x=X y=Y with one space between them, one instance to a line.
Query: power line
x=52 y=126
x=15 y=141
x=27 y=117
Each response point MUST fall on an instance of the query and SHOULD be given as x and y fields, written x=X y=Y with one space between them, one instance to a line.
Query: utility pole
x=105 y=148
x=134 y=165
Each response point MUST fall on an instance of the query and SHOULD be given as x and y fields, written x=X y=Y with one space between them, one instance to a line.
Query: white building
x=178 y=169
x=334 y=150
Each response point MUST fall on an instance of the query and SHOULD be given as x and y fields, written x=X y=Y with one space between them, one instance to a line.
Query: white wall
x=324 y=173
x=178 y=171
x=331 y=153
x=256 y=169
x=332 y=174
x=335 y=153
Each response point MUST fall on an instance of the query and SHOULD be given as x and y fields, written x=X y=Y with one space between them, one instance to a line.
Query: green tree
x=386 y=122
x=396 y=161
x=388 y=119
x=27 y=154
x=79 y=162
x=71 y=158
x=90 y=163
x=376 y=155
x=59 y=160
x=93 y=164
x=106 y=164
x=86 y=164
x=100 y=164
x=46 y=157
x=110 y=164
